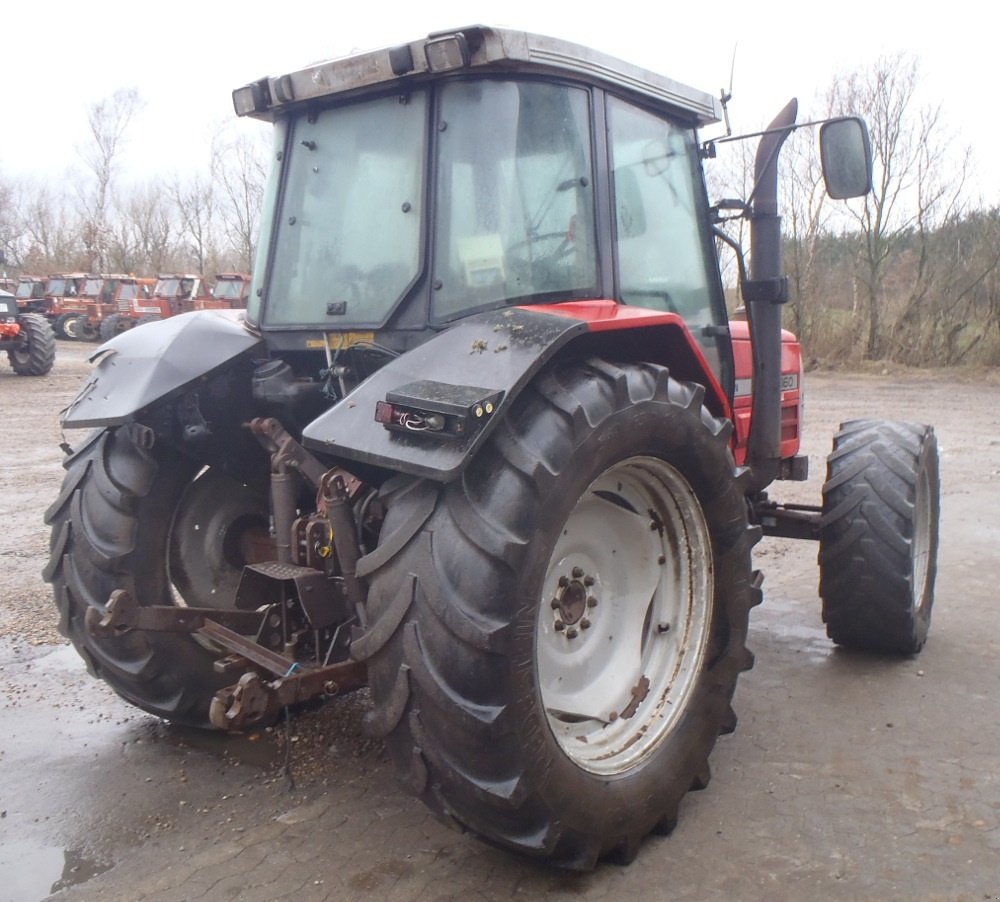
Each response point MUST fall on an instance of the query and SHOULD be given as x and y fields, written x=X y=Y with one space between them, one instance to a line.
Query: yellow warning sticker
x=338 y=341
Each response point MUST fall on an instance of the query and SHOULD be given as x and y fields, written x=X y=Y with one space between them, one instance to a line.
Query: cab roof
x=473 y=48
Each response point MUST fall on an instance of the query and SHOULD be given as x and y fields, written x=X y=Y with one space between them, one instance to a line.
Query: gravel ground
x=849 y=777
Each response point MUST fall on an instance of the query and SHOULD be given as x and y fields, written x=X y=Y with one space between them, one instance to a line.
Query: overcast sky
x=185 y=58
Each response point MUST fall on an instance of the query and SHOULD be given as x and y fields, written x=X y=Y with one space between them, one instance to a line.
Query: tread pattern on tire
x=438 y=642
x=868 y=535
x=40 y=354
x=109 y=532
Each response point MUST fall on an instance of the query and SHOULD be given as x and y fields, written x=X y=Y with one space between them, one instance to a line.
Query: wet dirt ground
x=849 y=776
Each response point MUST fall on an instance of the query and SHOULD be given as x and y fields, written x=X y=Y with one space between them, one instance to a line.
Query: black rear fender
x=188 y=377
x=491 y=358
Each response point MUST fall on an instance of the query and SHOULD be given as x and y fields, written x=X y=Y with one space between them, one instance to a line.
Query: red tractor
x=62 y=291
x=484 y=441
x=172 y=294
x=32 y=296
x=230 y=292
x=96 y=308
x=175 y=294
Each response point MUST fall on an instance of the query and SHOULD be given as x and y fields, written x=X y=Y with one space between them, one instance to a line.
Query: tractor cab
x=477 y=171
x=230 y=291
x=31 y=295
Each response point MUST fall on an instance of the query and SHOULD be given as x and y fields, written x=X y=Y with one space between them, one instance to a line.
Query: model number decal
x=789 y=382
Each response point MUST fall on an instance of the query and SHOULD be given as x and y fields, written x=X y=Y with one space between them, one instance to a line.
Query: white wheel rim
x=921 y=547
x=624 y=618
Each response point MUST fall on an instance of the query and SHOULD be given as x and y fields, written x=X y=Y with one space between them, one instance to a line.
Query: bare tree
x=240 y=170
x=917 y=184
x=51 y=234
x=108 y=121
x=805 y=219
x=195 y=201
x=144 y=238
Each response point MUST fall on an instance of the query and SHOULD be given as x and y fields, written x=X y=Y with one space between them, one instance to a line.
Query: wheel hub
x=573 y=599
x=624 y=631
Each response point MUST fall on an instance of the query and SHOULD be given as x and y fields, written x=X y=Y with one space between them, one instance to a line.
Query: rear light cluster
x=437 y=409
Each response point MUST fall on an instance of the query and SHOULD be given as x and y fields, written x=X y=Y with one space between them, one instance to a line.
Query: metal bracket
x=788 y=521
x=123 y=614
x=254 y=700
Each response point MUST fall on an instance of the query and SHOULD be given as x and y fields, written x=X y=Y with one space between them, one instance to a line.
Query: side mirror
x=846 y=154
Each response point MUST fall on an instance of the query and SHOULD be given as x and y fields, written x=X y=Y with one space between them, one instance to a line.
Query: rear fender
x=498 y=353
x=158 y=362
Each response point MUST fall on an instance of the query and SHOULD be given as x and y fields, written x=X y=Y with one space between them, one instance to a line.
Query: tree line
x=909 y=274
x=204 y=222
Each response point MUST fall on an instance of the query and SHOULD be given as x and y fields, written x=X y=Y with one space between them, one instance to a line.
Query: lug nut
x=588 y=580
x=571 y=633
x=585 y=624
x=554 y=604
x=563 y=582
x=577 y=572
x=591 y=602
x=560 y=626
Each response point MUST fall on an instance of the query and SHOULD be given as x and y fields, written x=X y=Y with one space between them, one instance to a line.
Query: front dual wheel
x=553 y=641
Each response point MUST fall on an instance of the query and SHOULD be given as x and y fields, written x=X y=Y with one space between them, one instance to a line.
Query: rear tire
x=37 y=353
x=114 y=325
x=84 y=330
x=607 y=484
x=59 y=325
x=134 y=517
x=879 y=536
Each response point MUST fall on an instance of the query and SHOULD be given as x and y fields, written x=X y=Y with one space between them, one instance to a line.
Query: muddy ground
x=849 y=777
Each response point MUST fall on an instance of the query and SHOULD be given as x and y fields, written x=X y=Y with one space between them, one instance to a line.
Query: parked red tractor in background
x=485 y=441
x=175 y=294
x=91 y=316
x=60 y=289
x=230 y=292
x=32 y=296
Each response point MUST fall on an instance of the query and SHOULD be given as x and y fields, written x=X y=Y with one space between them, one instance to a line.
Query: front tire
x=608 y=496
x=59 y=325
x=879 y=535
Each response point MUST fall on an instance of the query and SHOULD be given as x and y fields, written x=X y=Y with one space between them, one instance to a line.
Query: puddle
x=29 y=871
x=256 y=749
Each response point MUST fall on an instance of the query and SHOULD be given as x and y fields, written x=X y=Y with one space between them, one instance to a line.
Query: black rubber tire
x=114 y=325
x=37 y=354
x=879 y=536
x=70 y=326
x=59 y=325
x=85 y=330
x=455 y=589
x=111 y=530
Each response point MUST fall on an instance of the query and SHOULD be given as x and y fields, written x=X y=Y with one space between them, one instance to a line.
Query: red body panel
x=791 y=393
x=608 y=316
